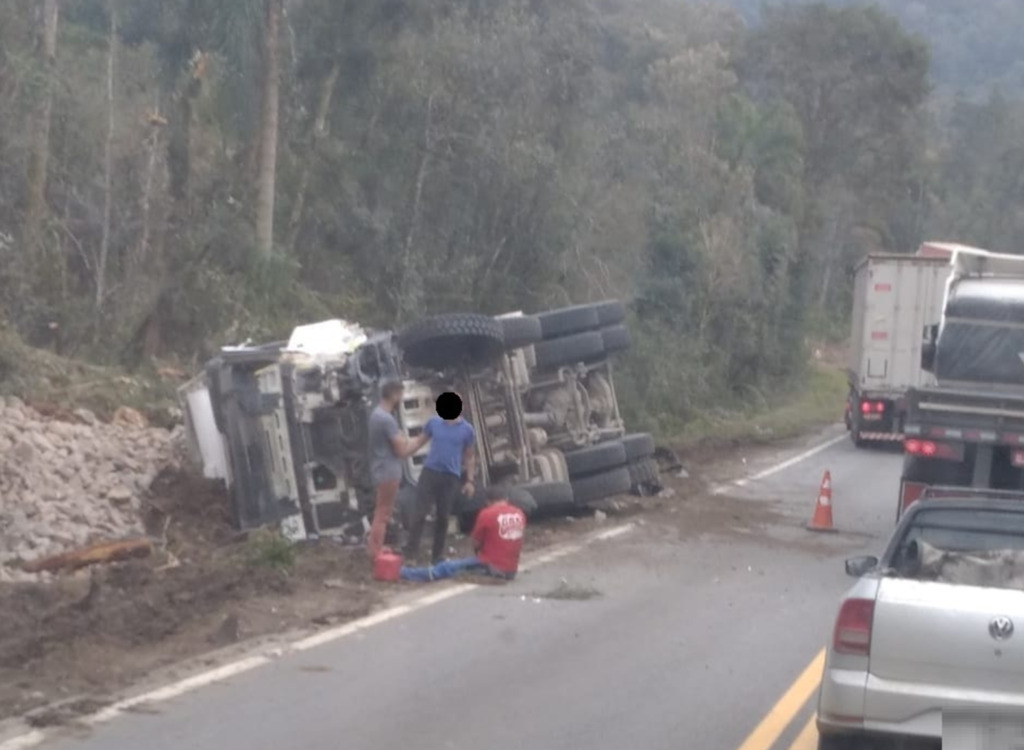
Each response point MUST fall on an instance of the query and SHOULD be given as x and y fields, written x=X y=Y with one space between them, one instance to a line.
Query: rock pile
x=65 y=483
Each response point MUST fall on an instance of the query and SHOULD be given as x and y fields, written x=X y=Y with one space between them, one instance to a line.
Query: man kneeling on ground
x=497 y=540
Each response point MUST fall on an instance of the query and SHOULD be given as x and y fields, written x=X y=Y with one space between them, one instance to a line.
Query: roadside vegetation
x=176 y=175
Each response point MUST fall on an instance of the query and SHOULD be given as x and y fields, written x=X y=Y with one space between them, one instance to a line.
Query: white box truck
x=894 y=298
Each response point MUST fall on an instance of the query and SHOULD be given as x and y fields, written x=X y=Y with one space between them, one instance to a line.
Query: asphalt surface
x=666 y=641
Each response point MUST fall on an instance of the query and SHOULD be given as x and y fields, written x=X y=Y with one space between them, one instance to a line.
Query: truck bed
x=969 y=415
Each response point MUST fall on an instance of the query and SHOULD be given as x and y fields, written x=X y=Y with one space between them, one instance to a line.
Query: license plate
x=990 y=730
x=872 y=417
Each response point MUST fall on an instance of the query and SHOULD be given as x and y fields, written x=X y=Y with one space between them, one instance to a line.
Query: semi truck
x=894 y=297
x=966 y=429
x=284 y=424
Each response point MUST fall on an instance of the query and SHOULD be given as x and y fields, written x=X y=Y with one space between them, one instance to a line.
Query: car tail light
x=912 y=492
x=853 y=627
x=1018 y=458
x=933 y=449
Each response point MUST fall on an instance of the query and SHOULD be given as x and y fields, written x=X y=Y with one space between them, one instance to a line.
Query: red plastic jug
x=387 y=566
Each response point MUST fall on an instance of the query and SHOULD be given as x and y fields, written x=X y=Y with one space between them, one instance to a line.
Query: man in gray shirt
x=389 y=447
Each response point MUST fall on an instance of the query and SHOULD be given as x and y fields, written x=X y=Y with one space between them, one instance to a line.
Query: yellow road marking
x=782 y=714
x=808 y=739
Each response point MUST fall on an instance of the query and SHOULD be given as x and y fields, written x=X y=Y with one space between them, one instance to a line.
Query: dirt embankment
x=89 y=634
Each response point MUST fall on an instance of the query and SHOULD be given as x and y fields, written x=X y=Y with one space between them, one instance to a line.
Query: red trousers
x=387 y=495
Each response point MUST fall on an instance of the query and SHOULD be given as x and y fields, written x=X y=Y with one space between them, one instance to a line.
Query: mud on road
x=77 y=640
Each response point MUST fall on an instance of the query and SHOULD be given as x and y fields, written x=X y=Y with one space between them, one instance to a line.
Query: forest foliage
x=180 y=174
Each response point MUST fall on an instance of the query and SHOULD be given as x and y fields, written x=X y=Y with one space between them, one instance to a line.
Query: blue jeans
x=451 y=568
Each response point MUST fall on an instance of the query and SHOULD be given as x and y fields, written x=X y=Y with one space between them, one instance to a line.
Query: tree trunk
x=46 y=46
x=404 y=303
x=319 y=131
x=152 y=148
x=108 y=161
x=268 y=130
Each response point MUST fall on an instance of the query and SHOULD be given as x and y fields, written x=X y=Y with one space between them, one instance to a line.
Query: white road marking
x=35 y=737
x=722 y=488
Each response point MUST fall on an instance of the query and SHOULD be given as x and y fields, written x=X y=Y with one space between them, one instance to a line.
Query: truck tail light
x=933 y=449
x=872 y=407
x=852 y=635
x=1018 y=458
x=912 y=491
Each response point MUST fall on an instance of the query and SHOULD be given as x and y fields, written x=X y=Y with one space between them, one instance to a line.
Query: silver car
x=932 y=631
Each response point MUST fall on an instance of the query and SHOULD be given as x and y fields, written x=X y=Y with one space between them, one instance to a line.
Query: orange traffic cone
x=822 y=520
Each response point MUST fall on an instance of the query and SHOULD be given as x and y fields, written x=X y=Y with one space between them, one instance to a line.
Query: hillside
x=975 y=45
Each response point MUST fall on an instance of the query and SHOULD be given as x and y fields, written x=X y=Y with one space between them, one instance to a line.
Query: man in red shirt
x=497 y=539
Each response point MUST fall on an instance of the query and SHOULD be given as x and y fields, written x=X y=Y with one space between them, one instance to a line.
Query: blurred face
x=449 y=406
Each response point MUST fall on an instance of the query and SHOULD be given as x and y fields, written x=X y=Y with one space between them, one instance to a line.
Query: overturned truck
x=285 y=424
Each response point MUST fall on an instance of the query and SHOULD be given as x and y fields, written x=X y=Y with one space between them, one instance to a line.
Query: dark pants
x=438 y=491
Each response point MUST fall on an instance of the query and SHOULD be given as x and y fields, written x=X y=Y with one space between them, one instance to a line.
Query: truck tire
x=600 y=486
x=638 y=445
x=520 y=331
x=610 y=312
x=569 y=350
x=616 y=338
x=568 y=320
x=551 y=497
x=595 y=458
x=858 y=441
x=444 y=341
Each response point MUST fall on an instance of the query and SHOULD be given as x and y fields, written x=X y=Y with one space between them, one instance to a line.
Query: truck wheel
x=616 y=338
x=595 y=458
x=568 y=350
x=520 y=331
x=568 y=320
x=442 y=341
x=638 y=445
x=610 y=312
x=858 y=441
x=551 y=497
x=600 y=486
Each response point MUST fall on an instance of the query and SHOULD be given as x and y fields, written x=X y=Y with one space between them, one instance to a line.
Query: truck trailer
x=894 y=298
x=966 y=429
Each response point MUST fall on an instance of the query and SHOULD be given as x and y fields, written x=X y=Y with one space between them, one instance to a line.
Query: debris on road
x=103 y=552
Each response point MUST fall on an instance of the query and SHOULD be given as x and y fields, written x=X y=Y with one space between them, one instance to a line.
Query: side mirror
x=859 y=566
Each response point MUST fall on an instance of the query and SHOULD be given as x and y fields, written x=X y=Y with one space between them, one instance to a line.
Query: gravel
x=65 y=484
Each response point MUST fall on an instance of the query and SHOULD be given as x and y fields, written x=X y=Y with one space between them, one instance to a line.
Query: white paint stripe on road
x=24 y=741
x=771 y=470
x=35 y=737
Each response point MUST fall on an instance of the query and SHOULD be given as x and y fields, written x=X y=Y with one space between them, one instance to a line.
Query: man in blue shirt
x=452 y=455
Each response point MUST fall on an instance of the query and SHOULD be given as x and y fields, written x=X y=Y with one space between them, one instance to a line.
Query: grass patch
x=568 y=592
x=42 y=377
x=269 y=549
x=818 y=403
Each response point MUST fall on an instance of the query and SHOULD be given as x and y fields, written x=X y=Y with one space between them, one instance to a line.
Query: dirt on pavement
x=77 y=640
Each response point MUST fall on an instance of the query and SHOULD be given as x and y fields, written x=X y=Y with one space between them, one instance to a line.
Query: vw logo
x=1001 y=628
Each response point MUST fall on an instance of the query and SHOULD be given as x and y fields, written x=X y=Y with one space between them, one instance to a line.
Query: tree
x=47 y=24
x=857 y=83
x=266 y=180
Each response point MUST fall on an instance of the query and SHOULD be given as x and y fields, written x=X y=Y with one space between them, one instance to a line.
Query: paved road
x=697 y=643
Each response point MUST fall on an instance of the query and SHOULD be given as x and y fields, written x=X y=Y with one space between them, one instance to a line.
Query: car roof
x=966 y=503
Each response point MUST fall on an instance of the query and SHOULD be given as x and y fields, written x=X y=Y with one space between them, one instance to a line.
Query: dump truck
x=967 y=428
x=894 y=297
x=284 y=424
